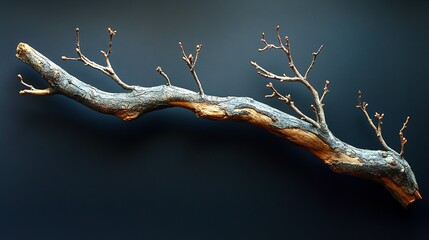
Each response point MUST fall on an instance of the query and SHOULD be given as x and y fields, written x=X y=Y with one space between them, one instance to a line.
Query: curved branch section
x=384 y=167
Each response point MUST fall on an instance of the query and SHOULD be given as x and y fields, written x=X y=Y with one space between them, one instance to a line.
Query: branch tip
x=167 y=79
x=32 y=90
x=401 y=136
x=325 y=91
x=313 y=61
x=377 y=129
x=313 y=108
x=111 y=32
x=191 y=62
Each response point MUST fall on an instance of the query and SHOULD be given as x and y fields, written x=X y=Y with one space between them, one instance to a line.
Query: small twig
x=313 y=61
x=377 y=129
x=108 y=70
x=315 y=112
x=288 y=100
x=401 y=136
x=267 y=74
x=325 y=91
x=197 y=52
x=285 y=46
x=33 y=90
x=167 y=79
x=111 y=34
x=267 y=45
x=288 y=52
x=191 y=62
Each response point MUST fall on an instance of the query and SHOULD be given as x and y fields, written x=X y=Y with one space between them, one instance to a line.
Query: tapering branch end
x=32 y=90
x=401 y=136
x=191 y=62
x=163 y=74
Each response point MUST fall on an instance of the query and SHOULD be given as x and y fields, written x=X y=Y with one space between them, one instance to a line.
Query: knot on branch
x=285 y=46
x=377 y=129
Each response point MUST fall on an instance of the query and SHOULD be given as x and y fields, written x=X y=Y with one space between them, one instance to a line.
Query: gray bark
x=385 y=167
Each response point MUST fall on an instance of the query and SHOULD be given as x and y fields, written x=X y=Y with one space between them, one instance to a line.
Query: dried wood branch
x=385 y=167
x=285 y=47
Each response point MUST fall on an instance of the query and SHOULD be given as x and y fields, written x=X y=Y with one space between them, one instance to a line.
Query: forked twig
x=285 y=46
x=288 y=100
x=191 y=62
x=377 y=129
x=108 y=70
x=33 y=90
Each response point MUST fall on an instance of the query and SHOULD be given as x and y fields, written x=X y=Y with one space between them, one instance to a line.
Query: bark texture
x=385 y=167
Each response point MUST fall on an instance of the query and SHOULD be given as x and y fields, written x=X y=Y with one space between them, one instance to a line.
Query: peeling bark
x=385 y=167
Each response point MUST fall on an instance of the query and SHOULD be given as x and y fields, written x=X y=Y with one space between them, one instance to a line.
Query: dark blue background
x=67 y=172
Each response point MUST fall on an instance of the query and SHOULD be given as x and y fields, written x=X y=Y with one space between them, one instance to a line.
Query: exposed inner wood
x=202 y=109
x=127 y=115
x=387 y=168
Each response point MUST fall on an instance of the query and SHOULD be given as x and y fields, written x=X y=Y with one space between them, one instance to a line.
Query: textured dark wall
x=67 y=172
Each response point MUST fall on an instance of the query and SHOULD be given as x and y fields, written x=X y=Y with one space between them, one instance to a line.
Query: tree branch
x=387 y=168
